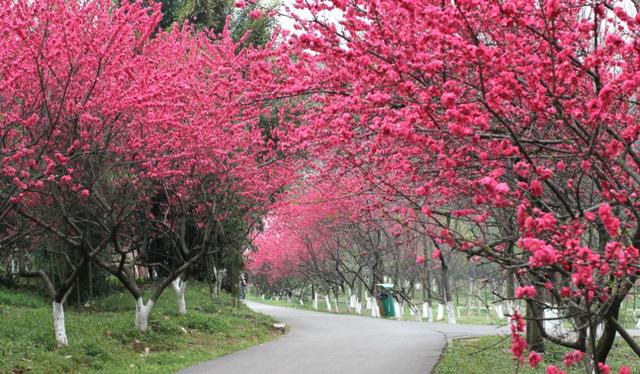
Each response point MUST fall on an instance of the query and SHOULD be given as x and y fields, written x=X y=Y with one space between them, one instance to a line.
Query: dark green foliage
x=211 y=15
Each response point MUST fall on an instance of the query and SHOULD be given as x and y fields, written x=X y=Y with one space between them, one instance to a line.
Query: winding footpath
x=322 y=343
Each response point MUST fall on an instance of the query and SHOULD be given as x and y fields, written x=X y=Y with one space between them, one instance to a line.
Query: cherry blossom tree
x=480 y=113
x=115 y=134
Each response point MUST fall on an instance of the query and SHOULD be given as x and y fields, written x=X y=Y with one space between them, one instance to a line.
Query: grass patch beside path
x=103 y=339
x=492 y=354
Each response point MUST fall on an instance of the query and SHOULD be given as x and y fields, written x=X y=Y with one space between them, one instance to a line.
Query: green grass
x=102 y=337
x=492 y=354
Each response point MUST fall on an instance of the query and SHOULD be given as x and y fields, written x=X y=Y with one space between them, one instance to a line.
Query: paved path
x=323 y=343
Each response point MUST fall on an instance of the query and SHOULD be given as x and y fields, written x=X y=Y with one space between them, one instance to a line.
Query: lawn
x=492 y=354
x=102 y=337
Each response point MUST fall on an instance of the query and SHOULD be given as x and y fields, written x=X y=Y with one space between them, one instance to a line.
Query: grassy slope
x=102 y=337
x=493 y=355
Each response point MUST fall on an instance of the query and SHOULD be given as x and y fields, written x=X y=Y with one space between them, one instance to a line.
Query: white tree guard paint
x=314 y=304
x=142 y=313
x=440 y=314
x=375 y=311
x=415 y=312
x=358 y=307
x=326 y=300
x=451 y=312
x=638 y=324
x=352 y=301
x=335 y=303
x=427 y=312
x=263 y=297
x=499 y=311
x=58 y=324
x=552 y=324
x=301 y=302
x=510 y=307
x=368 y=299
x=180 y=287
x=396 y=308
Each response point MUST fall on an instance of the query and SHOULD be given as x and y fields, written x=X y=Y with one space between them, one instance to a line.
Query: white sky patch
x=287 y=22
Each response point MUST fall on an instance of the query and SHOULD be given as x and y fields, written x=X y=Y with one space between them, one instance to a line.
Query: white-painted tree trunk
x=301 y=302
x=368 y=299
x=326 y=300
x=638 y=324
x=552 y=324
x=451 y=312
x=499 y=311
x=358 y=307
x=352 y=301
x=427 y=312
x=415 y=312
x=375 y=311
x=58 y=324
x=440 y=314
x=335 y=303
x=142 y=313
x=180 y=286
x=398 y=309
x=510 y=307
x=315 y=301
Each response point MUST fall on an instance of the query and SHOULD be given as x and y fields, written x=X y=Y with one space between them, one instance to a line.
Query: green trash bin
x=386 y=296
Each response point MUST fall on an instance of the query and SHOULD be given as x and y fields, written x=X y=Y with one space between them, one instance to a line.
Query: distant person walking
x=244 y=282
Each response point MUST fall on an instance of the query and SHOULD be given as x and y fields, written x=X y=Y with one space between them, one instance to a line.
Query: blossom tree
x=115 y=133
x=66 y=107
x=480 y=113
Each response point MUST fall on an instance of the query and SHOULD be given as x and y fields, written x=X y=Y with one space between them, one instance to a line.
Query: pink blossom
x=534 y=359
x=526 y=292
x=551 y=369
x=610 y=222
x=572 y=358
x=536 y=188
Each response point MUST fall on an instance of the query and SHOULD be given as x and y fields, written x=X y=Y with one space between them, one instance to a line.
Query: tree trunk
x=375 y=310
x=446 y=292
x=142 y=313
x=180 y=287
x=605 y=343
x=58 y=324
x=534 y=339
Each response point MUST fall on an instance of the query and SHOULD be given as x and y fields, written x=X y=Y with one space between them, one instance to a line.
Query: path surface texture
x=321 y=343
